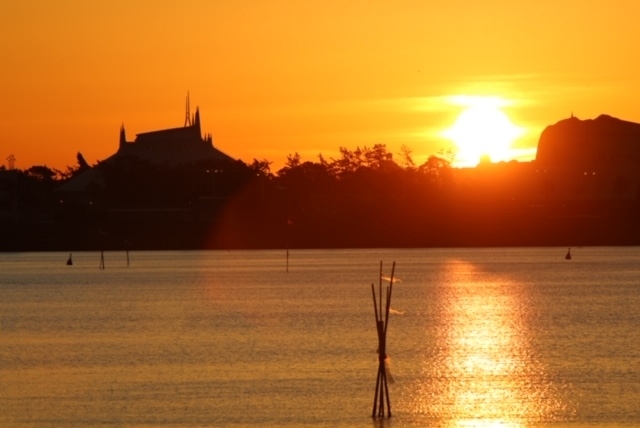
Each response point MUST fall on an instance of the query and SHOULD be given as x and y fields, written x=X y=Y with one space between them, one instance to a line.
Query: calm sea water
x=481 y=337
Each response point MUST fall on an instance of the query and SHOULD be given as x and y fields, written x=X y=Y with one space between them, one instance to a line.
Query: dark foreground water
x=479 y=337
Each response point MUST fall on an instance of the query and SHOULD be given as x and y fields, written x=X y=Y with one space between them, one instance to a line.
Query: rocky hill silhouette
x=587 y=144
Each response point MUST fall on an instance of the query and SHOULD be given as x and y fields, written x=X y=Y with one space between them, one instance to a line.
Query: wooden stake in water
x=382 y=389
x=101 y=234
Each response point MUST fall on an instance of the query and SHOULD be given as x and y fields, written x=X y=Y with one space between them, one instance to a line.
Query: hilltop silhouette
x=172 y=189
x=602 y=142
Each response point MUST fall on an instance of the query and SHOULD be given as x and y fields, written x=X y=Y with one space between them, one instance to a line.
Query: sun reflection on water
x=482 y=370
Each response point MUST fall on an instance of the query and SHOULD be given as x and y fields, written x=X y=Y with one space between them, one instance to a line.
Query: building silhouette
x=169 y=147
x=173 y=146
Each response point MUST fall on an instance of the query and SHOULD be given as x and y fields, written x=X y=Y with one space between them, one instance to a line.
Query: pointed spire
x=196 y=118
x=123 y=136
x=187 y=119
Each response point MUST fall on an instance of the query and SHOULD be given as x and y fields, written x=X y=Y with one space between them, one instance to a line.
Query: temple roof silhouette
x=173 y=146
x=167 y=147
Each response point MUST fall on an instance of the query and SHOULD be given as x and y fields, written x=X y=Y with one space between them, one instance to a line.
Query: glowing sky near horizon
x=277 y=77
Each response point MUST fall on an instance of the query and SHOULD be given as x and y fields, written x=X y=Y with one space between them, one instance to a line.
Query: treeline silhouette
x=363 y=198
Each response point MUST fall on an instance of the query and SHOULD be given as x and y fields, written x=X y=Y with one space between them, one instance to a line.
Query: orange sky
x=276 y=77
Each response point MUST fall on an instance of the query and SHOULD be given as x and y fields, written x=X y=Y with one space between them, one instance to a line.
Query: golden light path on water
x=482 y=370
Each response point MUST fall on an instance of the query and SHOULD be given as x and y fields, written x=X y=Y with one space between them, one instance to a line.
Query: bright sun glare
x=482 y=129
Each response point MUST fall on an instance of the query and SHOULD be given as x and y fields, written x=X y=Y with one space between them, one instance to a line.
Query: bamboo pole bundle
x=382 y=322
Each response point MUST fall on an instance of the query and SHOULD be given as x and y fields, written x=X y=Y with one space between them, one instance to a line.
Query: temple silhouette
x=169 y=147
x=173 y=146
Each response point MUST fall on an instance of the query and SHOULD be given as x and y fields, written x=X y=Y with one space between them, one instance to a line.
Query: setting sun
x=482 y=129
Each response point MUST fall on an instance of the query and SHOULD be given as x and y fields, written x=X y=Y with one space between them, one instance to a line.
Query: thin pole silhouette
x=382 y=323
x=126 y=247
x=101 y=234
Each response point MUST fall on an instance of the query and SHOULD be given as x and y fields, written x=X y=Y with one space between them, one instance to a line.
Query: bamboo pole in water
x=375 y=312
x=100 y=235
x=382 y=322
